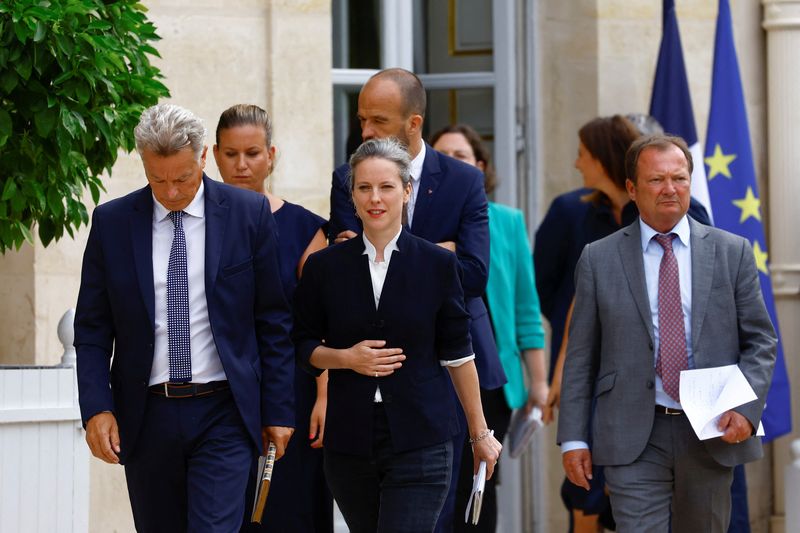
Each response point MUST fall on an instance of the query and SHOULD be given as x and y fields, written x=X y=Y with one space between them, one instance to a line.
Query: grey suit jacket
x=611 y=358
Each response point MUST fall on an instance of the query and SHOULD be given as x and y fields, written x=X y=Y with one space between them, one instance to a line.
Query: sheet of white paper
x=706 y=393
x=476 y=496
x=521 y=429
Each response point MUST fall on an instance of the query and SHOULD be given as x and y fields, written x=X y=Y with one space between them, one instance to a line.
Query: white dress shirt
x=206 y=365
x=377 y=272
x=416 y=178
x=652 y=253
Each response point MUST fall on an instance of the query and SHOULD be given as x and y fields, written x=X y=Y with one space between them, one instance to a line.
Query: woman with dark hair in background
x=299 y=500
x=514 y=308
x=573 y=220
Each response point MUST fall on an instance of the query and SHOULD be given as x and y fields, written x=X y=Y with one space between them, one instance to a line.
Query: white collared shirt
x=416 y=178
x=377 y=272
x=206 y=365
x=378 y=269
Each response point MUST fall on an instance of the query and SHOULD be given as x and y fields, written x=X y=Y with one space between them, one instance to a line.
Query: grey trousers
x=675 y=477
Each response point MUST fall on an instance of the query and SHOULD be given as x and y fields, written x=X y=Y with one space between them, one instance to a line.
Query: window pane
x=346 y=129
x=356 y=33
x=452 y=36
x=473 y=107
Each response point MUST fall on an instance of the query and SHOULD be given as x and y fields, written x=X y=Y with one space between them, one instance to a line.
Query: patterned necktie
x=180 y=351
x=671 y=331
x=410 y=203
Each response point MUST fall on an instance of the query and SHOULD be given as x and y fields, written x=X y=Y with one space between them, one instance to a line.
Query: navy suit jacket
x=249 y=316
x=451 y=206
x=424 y=315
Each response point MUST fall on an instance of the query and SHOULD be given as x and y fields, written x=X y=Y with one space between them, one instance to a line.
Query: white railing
x=44 y=461
x=792 y=488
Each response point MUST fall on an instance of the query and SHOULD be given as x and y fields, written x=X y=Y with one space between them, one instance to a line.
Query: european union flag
x=671 y=102
x=734 y=195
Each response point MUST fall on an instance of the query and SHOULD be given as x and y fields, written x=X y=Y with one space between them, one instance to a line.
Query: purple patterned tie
x=671 y=331
x=180 y=350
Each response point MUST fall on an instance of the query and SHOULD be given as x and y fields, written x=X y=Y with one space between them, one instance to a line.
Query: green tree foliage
x=74 y=78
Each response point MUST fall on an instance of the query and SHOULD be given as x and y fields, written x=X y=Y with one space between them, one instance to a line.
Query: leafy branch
x=74 y=78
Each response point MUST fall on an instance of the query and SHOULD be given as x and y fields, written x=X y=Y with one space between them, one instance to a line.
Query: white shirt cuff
x=571 y=445
x=458 y=362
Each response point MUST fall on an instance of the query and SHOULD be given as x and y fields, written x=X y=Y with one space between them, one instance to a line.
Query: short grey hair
x=389 y=149
x=166 y=129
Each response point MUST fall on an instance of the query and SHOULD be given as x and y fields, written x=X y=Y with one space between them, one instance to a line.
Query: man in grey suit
x=662 y=295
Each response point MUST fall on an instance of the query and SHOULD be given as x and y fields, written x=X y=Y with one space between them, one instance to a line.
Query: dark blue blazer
x=249 y=315
x=421 y=311
x=451 y=206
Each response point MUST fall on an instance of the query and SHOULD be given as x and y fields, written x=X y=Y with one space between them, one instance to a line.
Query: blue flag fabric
x=671 y=101
x=734 y=195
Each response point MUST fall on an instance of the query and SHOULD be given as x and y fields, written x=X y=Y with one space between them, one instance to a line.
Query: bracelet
x=483 y=434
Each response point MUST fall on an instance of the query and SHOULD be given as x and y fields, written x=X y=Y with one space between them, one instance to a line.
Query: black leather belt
x=668 y=410
x=188 y=390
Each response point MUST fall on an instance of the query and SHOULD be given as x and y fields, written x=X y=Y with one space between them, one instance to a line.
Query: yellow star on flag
x=761 y=258
x=750 y=206
x=718 y=163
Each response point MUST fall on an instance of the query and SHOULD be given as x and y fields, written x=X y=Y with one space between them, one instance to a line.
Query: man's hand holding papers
x=708 y=396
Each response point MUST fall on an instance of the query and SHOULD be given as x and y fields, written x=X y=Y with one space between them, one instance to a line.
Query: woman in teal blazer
x=514 y=308
x=514 y=305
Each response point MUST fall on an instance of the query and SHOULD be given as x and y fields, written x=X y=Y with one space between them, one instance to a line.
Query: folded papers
x=521 y=429
x=707 y=393
x=476 y=496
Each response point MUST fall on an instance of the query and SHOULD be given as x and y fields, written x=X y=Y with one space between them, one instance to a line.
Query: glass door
x=465 y=63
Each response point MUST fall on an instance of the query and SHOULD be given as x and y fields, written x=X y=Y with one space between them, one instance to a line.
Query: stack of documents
x=707 y=393
x=476 y=496
x=521 y=428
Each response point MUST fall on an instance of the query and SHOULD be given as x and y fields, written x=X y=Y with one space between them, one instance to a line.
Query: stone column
x=782 y=23
x=300 y=100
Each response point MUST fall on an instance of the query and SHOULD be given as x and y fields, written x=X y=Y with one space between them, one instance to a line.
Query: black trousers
x=390 y=492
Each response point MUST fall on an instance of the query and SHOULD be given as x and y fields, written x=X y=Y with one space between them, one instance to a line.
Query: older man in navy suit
x=448 y=206
x=181 y=284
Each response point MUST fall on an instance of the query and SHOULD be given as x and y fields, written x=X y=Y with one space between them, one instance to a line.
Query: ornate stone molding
x=785 y=280
x=781 y=14
x=782 y=24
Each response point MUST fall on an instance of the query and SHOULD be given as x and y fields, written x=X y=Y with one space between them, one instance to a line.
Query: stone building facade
x=594 y=57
